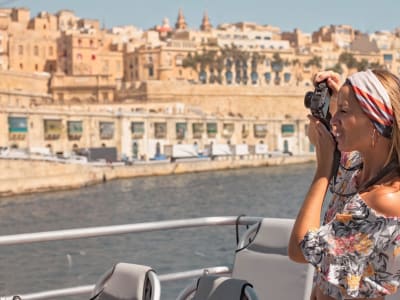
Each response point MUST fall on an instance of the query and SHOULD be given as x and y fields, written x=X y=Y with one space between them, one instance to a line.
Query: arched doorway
x=135 y=150
x=285 y=146
x=75 y=148
x=50 y=147
x=158 y=149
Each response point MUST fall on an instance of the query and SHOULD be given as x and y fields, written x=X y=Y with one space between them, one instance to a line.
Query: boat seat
x=261 y=259
x=265 y=264
x=125 y=281
x=214 y=287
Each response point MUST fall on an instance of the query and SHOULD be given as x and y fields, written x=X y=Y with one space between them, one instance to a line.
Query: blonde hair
x=392 y=85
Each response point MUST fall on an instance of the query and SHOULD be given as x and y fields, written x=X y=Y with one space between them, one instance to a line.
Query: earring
x=374 y=138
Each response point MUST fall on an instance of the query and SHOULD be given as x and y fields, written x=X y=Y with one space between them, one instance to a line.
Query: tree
x=200 y=62
x=277 y=66
x=362 y=65
x=297 y=68
x=220 y=64
x=256 y=59
x=348 y=60
x=314 y=61
x=336 y=68
x=376 y=65
x=190 y=61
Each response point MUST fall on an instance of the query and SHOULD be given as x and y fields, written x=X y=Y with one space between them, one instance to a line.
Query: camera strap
x=336 y=163
x=391 y=166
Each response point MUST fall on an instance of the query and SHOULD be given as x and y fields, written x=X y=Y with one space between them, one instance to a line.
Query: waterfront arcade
x=138 y=134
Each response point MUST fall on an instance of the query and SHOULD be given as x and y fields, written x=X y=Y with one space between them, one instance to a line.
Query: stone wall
x=249 y=101
x=22 y=89
x=25 y=176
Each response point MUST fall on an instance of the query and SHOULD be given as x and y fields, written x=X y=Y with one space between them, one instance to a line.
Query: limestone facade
x=65 y=45
x=68 y=83
x=274 y=119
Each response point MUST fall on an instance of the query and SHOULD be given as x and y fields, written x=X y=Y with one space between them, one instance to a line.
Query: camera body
x=318 y=102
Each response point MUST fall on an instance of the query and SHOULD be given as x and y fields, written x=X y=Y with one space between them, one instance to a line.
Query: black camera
x=318 y=102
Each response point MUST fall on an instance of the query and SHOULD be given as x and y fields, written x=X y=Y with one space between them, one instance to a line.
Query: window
x=160 y=130
x=52 y=129
x=260 y=130
x=106 y=130
x=198 y=129
x=245 y=130
x=74 y=130
x=287 y=77
x=212 y=130
x=21 y=50
x=137 y=130
x=287 y=129
x=387 y=57
x=267 y=76
x=179 y=60
x=36 y=51
x=254 y=77
x=228 y=129
x=151 y=71
x=51 y=51
x=181 y=129
x=17 y=128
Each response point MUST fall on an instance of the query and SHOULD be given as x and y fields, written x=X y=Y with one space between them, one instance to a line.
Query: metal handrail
x=80 y=233
x=87 y=289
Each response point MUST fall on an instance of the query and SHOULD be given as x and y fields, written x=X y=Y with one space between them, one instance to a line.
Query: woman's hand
x=323 y=141
x=333 y=81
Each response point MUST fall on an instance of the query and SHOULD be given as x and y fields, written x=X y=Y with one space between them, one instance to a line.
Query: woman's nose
x=333 y=120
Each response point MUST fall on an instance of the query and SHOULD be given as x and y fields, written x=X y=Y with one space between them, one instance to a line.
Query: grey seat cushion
x=220 y=288
x=124 y=282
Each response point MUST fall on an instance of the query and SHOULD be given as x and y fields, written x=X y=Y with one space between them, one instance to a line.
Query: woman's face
x=350 y=125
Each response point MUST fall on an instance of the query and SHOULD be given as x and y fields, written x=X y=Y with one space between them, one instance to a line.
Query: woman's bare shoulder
x=384 y=198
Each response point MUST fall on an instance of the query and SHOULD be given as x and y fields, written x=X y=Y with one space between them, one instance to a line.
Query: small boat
x=261 y=264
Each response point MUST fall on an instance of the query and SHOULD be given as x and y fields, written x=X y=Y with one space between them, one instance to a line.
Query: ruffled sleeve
x=357 y=253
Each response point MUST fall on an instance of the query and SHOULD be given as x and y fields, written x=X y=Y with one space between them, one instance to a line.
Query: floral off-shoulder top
x=356 y=252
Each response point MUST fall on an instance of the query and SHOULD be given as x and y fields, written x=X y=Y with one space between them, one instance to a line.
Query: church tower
x=180 y=23
x=205 y=23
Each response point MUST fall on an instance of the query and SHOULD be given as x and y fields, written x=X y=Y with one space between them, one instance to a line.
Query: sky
x=308 y=15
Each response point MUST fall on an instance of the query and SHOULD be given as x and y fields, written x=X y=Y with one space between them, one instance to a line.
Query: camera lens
x=307 y=99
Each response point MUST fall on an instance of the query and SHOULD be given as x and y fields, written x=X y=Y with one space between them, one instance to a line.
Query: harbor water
x=266 y=192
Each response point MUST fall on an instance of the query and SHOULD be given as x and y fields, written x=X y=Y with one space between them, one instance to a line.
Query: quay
x=24 y=176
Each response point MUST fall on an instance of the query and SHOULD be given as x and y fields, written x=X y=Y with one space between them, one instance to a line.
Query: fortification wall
x=24 y=176
x=250 y=101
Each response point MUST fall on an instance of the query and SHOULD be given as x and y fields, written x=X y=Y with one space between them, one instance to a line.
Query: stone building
x=108 y=62
x=143 y=133
x=67 y=83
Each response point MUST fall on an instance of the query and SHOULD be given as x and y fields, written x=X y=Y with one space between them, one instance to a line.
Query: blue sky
x=308 y=15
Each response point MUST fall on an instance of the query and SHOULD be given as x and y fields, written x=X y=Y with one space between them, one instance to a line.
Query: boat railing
x=82 y=233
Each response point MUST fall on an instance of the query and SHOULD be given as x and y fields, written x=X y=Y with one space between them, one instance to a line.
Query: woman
x=356 y=251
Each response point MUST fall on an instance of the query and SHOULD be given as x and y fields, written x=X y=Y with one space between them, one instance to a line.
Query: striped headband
x=374 y=100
